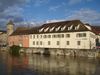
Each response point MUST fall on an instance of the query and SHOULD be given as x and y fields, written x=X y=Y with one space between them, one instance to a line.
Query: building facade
x=69 y=34
x=19 y=37
x=3 y=38
x=65 y=35
x=10 y=27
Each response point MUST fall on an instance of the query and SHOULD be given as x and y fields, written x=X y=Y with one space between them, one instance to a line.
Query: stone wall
x=66 y=52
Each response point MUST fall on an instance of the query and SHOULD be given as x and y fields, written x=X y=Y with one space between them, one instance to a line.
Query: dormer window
x=41 y=30
x=46 y=29
x=52 y=29
x=63 y=28
x=89 y=27
x=58 y=28
x=77 y=27
x=69 y=28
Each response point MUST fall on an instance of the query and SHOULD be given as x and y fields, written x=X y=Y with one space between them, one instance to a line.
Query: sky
x=41 y=11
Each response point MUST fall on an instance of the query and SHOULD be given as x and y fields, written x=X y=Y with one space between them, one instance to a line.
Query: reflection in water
x=44 y=65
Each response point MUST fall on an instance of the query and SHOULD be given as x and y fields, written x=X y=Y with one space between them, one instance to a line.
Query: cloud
x=71 y=2
x=11 y=9
x=39 y=2
x=86 y=15
x=54 y=8
x=54 y=20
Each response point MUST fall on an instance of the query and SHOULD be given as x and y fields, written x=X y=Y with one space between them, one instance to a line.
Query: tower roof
x=10 y=23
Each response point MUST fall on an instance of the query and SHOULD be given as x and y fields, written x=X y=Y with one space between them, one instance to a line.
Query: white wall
x=85 y=41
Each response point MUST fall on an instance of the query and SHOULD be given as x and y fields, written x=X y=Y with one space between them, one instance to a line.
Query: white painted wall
x=86 y=42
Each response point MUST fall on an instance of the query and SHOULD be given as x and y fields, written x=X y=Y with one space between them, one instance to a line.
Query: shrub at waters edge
x=14 y=50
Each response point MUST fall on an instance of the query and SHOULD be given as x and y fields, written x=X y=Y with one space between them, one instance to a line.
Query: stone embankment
x=66 y=52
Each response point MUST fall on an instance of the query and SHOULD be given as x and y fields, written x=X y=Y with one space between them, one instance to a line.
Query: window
x=81 y=35
x=33 y=42
x=58 y=28
x=67 y=42
x=69 y=28
x=40 y=42
x=62 y=35
x=54 y=36
x=49 y=42
x=37 y=43
x=58 y=43
x=49 y=36
x=46 y=29
x=77 y=27
x=40 y=36
x=33 y=36
x=84 y=34
x=78 y=42
x=67 y=35
x=59 y=36
x=45 y=36
x=63 y=28
x=37 y=36
x=52 y=29
x=41 y=30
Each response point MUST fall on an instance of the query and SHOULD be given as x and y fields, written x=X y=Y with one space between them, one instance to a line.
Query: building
x=4 y=34
x=3 y=38
x=61 y=35
x=67 y=34
x=10 y=27
x=97 y=31
x=19 y=37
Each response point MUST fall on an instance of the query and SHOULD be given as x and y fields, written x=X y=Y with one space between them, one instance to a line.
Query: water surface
x=32 y=64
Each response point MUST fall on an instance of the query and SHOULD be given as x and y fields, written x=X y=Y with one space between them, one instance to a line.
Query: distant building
x=19 y=37
x=3 y=38
x=4 y=34
x=10 y=27
x=64 y=35
x=97 y=31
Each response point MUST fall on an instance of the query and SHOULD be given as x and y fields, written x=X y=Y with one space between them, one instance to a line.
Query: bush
x=14 y=50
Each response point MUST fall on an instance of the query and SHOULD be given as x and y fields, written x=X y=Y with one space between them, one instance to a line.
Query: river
x=31 y=64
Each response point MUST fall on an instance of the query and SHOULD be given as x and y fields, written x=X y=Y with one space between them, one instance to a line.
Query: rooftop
x=57 y=27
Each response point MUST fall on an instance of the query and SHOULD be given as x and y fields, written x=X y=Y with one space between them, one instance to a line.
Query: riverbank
x=66 y=52
x=95 y=53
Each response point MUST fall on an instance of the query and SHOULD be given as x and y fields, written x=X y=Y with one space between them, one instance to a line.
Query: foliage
x=14 y=50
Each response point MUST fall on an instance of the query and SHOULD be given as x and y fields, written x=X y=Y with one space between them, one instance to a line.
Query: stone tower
x=10 y=27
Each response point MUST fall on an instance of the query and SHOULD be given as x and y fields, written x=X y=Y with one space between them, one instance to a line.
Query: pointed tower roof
x=10 y=23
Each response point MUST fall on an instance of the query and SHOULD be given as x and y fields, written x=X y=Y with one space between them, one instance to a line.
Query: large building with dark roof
x=72 y=34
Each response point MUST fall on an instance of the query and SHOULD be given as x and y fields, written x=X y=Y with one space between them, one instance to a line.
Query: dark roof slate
x=56 y=27
x=67 y=24
x=96 y=29
x=25 y=31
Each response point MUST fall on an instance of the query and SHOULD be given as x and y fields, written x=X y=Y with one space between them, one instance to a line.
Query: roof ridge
x=62 y=21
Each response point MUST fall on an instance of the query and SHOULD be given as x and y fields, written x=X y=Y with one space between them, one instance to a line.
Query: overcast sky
x=33 y=11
